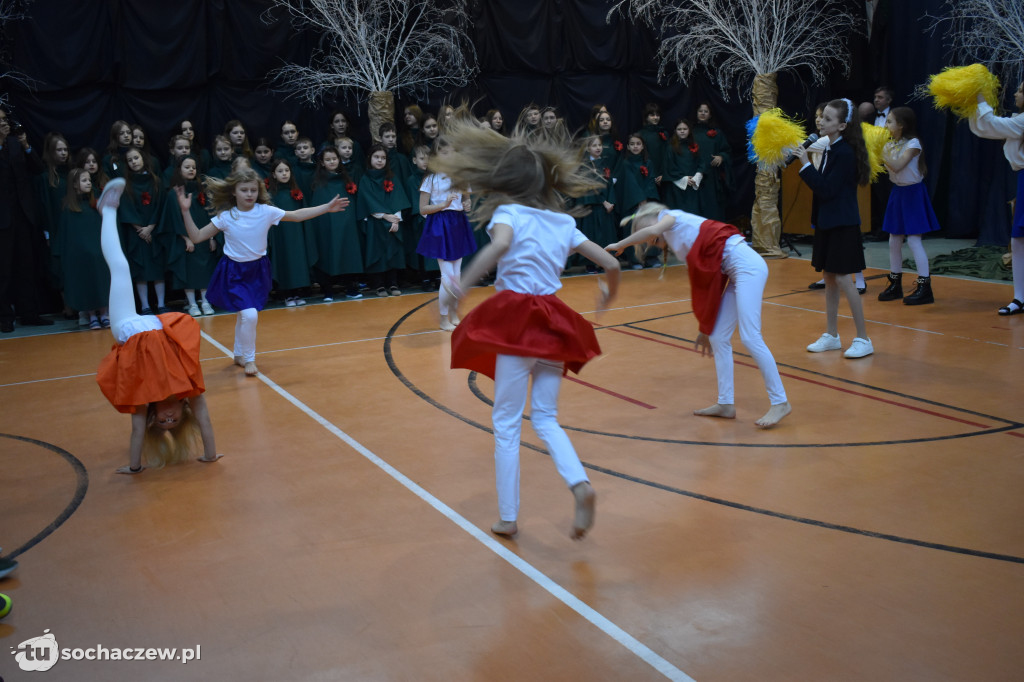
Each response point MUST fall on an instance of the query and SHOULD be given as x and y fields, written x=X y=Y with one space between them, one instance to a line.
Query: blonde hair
x=646 y=216
x=161 y=447
x=531 y=171
x=222 y=192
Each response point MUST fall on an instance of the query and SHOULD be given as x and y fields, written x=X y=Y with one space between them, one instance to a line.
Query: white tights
x=511 y=377
x=452 y=271
x=122 y=297
x=245 y=334
x=741 y=304
x=916 y=249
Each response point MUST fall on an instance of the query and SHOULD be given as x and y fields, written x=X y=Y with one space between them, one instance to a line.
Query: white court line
x=524 y=567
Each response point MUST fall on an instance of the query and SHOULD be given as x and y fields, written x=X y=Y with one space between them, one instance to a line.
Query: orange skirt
x=154 y=365
x=511 y=323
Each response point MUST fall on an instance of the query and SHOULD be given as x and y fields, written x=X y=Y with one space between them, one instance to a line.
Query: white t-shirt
x=439 y=186
x=541 y=244
x=911 y=173
x=681 y=236
x=245 y=232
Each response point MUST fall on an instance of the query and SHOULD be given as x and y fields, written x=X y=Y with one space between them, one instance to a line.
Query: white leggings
x=450 y=270
x=916 y=248
x=245 y=334
x=122 y=295
x=741 y=303
x=511 y=377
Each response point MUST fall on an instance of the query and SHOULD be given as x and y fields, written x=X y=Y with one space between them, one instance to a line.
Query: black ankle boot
x=895 y=288
x=922 y=294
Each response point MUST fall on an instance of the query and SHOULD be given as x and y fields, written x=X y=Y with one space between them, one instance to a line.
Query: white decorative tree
x=375 y=49
x=736 y=41
x=990 y=32
x=11 y=10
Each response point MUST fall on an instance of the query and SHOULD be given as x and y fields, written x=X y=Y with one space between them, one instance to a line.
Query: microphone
x=811 y=139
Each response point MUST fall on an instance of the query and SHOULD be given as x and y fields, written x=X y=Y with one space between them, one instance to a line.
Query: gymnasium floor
x=875 y=534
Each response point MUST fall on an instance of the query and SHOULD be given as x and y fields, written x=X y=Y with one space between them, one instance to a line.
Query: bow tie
x=879 y=113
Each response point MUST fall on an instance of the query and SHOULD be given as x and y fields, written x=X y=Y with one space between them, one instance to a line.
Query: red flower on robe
x=712 y=132
x=663 y=136
x=297 y=194
x=351 y=187
x=694 y=148
x=266 y=182
x=389 y=186
x=147 y=199
x=617 y=145
x=643 y=171
x=607 y=173
x=202 y=198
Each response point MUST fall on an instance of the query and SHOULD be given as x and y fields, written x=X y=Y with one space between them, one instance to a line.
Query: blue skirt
x=447 y=235
x=1018 y=211
x=237 y=286
x=909 y=211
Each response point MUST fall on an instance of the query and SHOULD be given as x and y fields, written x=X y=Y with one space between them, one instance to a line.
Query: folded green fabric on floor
x=985 y=262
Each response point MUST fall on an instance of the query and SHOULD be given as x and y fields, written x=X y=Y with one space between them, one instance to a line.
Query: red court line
x=611 y=393
x=820 y=383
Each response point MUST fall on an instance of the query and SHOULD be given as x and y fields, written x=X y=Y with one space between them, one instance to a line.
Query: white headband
x=849 y=109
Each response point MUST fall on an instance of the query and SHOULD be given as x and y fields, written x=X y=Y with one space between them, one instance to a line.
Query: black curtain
x=207 y=60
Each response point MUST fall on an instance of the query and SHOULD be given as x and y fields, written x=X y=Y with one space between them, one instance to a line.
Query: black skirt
x=839 y=250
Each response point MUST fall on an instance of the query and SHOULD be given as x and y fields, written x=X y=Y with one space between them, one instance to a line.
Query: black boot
x=895 y=288
x=922 y=294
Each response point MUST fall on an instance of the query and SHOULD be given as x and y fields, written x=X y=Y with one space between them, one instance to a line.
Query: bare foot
x=718 y=410
x=239 y=361
x=585 y=501
x=454 y=318
x=774 y=415
x=446 y=326
x=250 y=369
x=212 y=459
x=128 y=470
x=505 y=528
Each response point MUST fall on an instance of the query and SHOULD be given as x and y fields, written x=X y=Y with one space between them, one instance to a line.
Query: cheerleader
x=909 y=211
x=447 y=235
x=984 y=123
x=525 y=331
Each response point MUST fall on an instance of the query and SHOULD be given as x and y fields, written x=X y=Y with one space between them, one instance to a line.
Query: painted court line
x=592 y=616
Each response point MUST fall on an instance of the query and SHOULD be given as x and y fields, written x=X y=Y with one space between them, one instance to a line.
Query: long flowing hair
x=522 y=169
x=171 y=446
x=854 y=136
x=54 y=168
x=71 y=199
x=222 y=192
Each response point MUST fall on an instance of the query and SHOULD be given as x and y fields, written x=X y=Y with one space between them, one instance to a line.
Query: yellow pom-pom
x=875 y=138
x=957 y=88
x=774 y=138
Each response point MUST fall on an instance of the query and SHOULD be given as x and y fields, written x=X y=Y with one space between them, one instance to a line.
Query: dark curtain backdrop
x=155 y=63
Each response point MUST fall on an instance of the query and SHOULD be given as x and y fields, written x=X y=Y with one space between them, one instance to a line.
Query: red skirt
x=510 y=323
x=154 y=365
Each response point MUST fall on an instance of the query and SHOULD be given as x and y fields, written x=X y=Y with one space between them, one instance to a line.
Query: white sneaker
x=193 y=310
x=290 y=301
x=859 y=348
x=826 y=342
x=207 y=308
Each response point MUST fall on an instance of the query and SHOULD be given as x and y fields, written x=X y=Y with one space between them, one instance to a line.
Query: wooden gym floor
x=876 y=534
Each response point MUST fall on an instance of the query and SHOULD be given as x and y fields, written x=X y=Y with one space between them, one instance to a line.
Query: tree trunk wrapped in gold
x=765 y=223
x=381 y=107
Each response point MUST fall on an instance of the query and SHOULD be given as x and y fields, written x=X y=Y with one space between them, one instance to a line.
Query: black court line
x=81 y=486
x=393 y=366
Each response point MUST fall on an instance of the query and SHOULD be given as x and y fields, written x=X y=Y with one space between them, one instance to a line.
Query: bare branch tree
x=733 y=41
x=12 y=10
x=990 y=32
x=374 y=49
